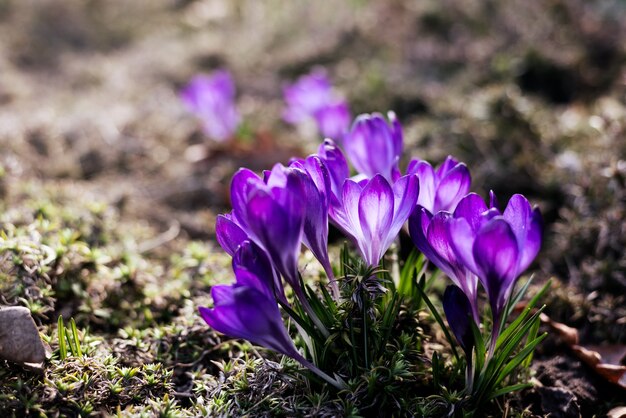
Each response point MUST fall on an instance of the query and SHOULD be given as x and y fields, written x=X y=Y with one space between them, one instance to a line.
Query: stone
x=19 y=338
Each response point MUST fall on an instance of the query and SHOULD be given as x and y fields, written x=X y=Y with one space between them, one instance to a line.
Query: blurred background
x=531 y=95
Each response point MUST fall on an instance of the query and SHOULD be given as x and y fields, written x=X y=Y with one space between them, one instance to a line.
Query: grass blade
x=76 y=338
x=61 y=336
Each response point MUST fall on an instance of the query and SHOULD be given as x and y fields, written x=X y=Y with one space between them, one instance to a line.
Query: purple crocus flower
x=441 y=189
x=212 y=99
x=374 y=146
x=272 y=214
x=316 y=185
x=312 y=97
x=496 y=247
x=430 y=235
x=248 y=310
x=337 y=167
x=372 y=212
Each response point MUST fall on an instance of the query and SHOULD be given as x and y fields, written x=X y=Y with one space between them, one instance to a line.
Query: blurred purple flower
x=441 y=189
x=212 y=99
x=372 y=212
x=374 y=146
x=333 y=119
x=272 y=214
x=312 y=97
x=496 y=247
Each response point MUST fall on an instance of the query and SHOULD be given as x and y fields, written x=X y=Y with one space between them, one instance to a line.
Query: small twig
x=159 y=240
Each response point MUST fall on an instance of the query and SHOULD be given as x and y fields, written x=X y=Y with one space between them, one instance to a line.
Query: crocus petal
x=337 y=166
x=318 y=172
x=426 y=175
x=375 y=217
x=471 y=208
x=229 y=235
x=453 y=186
x=243 y=182
x=371 y=146
x=247 y=278
x=254 y=259
x=496 y=253
x=316 y=213
x=448 y=164
x=222 y=294
x=405 y=192
x=458 y=312
x=439 y=244
x=493 y=200
x=379 y=146
x=347 y=217
x=357 y=147
x=279 y=230
x=396 y=133
x=418 y=226
x=247 y=313
x=461 y=237
x=526 y=224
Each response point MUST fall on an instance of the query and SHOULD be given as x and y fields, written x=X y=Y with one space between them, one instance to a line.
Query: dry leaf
x=568 y=334
x=619 y=412
x=605 y=360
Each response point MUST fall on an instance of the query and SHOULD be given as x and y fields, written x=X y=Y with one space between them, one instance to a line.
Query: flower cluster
x=472 y=242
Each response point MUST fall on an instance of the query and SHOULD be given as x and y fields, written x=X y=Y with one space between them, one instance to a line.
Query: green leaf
x=509 y=389
x=522 y=317
x=532 y=334
x=439 y=320
x=479 y=347
x=493 y=373
x=320 y=310
x=76 y=351
x=517 y=360
x=516 y=298
x=436 y=371
x=387 y=321
x=331 y=305
x=61 y=336
x=306 y=326
x=408 y=274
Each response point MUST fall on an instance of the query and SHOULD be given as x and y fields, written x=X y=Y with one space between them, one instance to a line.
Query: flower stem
x=364 y=299
x=469 y=373
x=332 y=282
x=320 y=373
